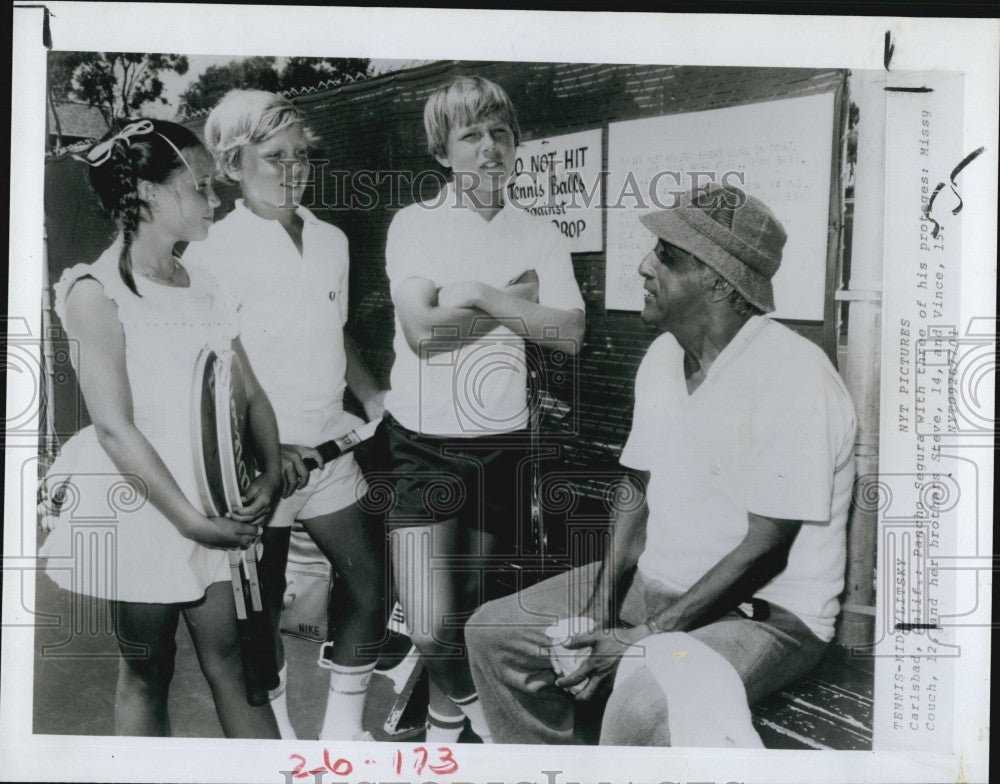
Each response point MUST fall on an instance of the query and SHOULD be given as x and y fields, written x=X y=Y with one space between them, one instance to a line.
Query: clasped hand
x=607 y=648
x=258 y=500
x=245 y=524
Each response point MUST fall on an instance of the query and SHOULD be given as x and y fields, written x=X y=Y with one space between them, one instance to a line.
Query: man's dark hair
x=740 y=304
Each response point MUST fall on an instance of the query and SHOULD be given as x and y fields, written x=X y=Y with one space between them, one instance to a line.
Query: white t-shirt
x=479 y=388
x=292 y=312
x=769 y=431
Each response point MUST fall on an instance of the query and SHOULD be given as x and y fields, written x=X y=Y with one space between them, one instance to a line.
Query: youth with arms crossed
x=471 y=276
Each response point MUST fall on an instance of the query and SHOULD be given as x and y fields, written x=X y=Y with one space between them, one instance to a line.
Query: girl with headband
x=139 y=318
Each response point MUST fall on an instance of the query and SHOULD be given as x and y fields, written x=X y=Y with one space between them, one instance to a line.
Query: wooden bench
x=831 y=708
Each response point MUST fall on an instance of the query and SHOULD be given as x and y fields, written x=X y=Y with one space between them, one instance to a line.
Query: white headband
x=100 y=153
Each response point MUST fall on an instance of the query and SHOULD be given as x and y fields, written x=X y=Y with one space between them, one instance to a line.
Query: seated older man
x=741 y=462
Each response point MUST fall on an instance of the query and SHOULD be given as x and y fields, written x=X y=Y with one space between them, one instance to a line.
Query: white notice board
x=559 y=177
x=781 y=150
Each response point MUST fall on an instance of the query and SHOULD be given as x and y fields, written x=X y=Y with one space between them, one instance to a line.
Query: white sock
x=279 y=704
x=474 y=713
x=345 y=702
x=443 y=729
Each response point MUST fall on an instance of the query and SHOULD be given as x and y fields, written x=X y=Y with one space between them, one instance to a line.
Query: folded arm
x=433 y=323
x=547 y=326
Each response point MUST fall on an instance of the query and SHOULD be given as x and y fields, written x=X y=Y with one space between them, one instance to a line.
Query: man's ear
x=443 y=160
x=718 y=288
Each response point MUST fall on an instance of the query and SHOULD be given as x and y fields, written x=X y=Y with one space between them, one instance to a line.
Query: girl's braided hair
x=151 y=156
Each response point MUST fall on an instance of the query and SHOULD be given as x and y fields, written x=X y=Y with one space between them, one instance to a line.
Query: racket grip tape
x=335 y=447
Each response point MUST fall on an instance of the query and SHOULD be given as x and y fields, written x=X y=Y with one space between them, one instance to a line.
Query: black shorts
x=481 y=482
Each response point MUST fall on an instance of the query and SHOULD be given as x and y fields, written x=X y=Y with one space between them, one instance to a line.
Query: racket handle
x=254 y=632
x=237 y=581
x=334 y=448
x=250 y=567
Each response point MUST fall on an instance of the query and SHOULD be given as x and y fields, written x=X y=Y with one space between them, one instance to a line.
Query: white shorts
x=336 y=487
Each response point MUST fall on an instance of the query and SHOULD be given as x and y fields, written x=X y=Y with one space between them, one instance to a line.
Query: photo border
x=968 y=47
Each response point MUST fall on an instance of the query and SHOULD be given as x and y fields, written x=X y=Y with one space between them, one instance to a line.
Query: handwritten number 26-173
x=441 y=762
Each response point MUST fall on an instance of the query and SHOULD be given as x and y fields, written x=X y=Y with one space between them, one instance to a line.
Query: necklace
x=167 y=280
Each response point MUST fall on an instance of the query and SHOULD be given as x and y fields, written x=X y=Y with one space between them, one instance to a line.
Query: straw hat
x=742 y=243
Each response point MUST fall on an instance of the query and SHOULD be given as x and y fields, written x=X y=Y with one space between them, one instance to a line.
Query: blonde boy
x=289 y=271
x=471 y=277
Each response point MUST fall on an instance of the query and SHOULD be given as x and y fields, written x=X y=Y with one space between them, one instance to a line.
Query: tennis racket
x=224 y=470
x=335 y=447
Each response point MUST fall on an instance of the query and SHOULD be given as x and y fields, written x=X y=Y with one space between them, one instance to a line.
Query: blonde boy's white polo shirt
x=292 y=312
x=479 y=388
x=769 y=431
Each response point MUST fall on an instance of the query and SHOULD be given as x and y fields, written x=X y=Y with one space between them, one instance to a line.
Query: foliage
x=217 y=80
x=301 y=72
x=118 y=84
x=61 y=67
x=261 y=73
